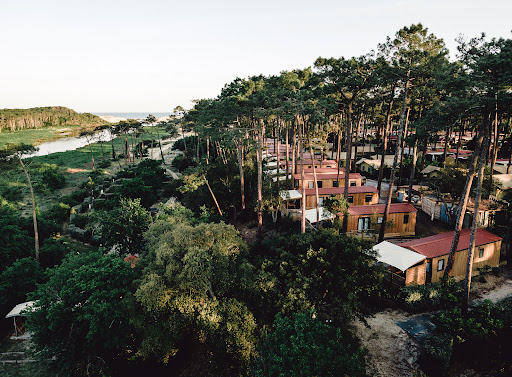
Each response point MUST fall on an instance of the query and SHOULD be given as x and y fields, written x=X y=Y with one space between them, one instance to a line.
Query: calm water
x=135 y=115
x=68 y=144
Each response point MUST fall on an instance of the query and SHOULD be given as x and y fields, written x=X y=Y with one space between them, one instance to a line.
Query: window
x=335 y=183
x=440 y=265
x=481 y=253
x=379 y=220
x=353 y=183
x=350 y=199
x=297 y=184
x=319 y=184
x=429 y=266
x=320 y=201
x=368 y=198
x=406 y=219
x=310 y=184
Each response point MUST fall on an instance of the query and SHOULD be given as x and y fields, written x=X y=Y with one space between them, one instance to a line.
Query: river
x=68 y=144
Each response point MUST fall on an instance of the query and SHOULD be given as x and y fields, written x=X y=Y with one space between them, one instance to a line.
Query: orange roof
x=435 y=246
x=328 y=176
x=341 y=190
x=379 y=209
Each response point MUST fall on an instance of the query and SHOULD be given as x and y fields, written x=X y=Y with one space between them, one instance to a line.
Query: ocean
x=136 y=115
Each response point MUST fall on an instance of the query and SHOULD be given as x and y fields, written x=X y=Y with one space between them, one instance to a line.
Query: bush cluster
x=433 y=296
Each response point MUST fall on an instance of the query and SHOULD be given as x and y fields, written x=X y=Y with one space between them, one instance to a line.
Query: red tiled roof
x=328 y=176
x=379 y=209
x=323 y=170
x=435 y=246
x=341 y=190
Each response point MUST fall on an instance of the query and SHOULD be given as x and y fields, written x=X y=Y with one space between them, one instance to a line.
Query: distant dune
x=111 y=119
x=114 y=119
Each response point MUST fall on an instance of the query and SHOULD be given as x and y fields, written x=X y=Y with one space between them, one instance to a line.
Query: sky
x=153 y=55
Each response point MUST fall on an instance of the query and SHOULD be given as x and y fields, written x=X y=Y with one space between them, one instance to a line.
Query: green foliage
x=14 y=237
x=432 y=296
x=80 y=323
x=18 y=280
x=50 y=176
x=136 y=189
x=12 y=191
x=53 y=251
x=180 y=143
x=183 y=162
x=124 y=226
x=304 y=346
x=322 y=270
x=192 y=289
x=481 y=338
x=58 y=212
x=38 y=117
x=437 y=352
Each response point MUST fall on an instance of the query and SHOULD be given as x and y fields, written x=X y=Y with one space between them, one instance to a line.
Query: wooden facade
x=367 y=218
x=327 y=180
x=436 y=249
x=357 y=195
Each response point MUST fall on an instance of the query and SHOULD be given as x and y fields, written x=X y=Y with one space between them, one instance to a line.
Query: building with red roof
x=436 y=249
x=367 y=219
x=357 y=195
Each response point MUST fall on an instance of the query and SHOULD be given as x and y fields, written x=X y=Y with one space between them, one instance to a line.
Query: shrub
x=433 y=296
x=58 y=213
x=437 y=352
x=50 y=176
x=12 y=192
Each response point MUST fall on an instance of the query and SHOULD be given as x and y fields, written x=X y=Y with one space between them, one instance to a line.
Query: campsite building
x=327 y=180
x=367 y=218
x=357 y=195
x=428 y=263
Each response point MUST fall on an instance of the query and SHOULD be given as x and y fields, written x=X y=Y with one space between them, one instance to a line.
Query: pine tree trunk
x=34 y=213
x=471 y=250
x=395 y=160
x=260 y=177
x=316 y=190
x=413 y=169
x=463 y=203
x=240 y=153
x=287 y=166
x=348 y=157
x=213 y=195
x=402 y=146
x=302 y=179
x=385 y=139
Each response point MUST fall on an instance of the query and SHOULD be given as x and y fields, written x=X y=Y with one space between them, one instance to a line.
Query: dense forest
x=136 y=269
x=39 y=117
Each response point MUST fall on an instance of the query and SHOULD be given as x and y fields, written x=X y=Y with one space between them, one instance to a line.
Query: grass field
x=75 y=165
x=38 y=136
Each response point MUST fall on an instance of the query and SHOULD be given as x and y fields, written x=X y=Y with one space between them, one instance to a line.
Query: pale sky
x=150 y=55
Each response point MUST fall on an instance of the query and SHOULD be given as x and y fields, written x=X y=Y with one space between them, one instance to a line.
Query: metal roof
x=18 y=309
x=324 y=214
x=290 y=194
x=397 y=256
x=440 y=244
x=329 y=175
x=379 y=209
x=341 y=190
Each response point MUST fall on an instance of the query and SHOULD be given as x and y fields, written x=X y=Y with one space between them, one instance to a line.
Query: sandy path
x=391 y=351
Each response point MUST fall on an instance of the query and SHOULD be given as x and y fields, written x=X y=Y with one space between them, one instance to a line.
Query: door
x=363 y=223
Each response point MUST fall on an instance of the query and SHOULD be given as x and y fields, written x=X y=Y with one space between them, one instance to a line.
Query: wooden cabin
x=357 y=195
x=327 y=180
x=308 y=163
x=436 y=249
x=402 y=266
x=367 y=218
